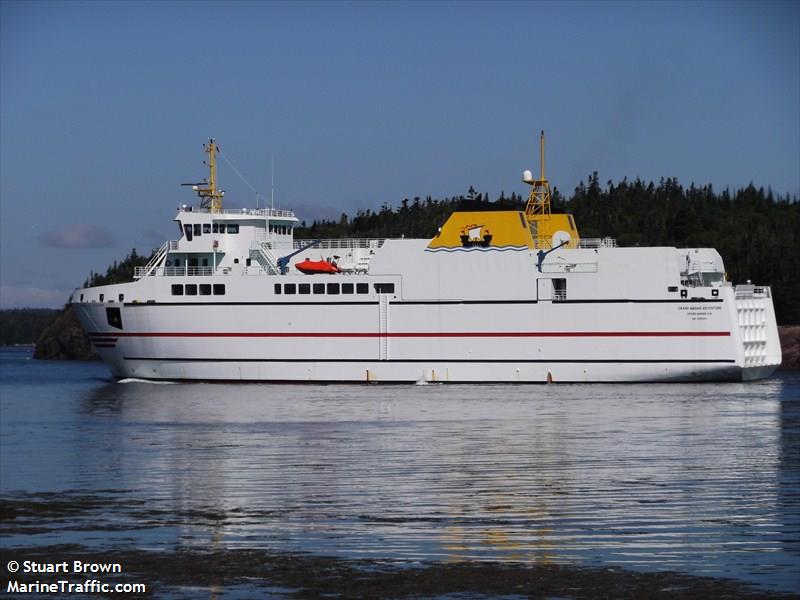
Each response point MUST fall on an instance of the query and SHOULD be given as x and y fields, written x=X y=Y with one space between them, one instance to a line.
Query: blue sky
x=104 y=107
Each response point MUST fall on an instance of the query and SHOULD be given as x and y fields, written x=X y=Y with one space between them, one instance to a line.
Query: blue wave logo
x=480 y=249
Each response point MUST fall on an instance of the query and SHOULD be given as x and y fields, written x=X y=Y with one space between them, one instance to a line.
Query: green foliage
x=755 y=232
x=24 y=325
x=118 y=272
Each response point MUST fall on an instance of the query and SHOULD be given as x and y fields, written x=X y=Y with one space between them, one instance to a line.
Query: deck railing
x=605 y=242
x=182 y=271
x=256 y=212
x=342 y=243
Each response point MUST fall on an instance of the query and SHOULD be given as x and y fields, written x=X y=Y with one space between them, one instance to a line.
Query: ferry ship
x=494 y=296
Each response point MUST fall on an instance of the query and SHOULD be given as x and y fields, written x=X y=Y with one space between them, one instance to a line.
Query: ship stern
x=759 y=348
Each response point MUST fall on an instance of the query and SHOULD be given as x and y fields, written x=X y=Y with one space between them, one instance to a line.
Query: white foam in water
x=136 y=380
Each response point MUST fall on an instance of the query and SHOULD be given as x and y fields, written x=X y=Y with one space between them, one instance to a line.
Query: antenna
x=210 y=196
x=272 y=192
x=538 y=207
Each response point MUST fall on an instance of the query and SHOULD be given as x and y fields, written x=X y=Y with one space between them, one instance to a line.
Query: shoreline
x=305 y=575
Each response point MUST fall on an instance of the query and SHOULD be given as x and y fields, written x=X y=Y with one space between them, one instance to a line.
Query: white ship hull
x=384 y=338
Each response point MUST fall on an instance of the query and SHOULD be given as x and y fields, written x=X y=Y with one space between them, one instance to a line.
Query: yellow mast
x=211 y=197
x=538 y=207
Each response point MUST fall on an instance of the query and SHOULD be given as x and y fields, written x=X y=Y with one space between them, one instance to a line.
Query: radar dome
x=561 y=237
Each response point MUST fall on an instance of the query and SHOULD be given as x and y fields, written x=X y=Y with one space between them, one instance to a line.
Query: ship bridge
x=216 y=240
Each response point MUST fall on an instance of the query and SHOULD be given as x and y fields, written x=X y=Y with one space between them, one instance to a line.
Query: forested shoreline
x=23 y=326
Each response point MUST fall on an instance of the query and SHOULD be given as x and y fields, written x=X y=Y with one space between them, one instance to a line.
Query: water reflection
x=694 y=478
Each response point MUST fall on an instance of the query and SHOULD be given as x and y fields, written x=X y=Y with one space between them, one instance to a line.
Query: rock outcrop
x=790 y=346
x=64 y=339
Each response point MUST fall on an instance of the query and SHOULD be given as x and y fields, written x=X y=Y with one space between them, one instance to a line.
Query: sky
x=105 y=106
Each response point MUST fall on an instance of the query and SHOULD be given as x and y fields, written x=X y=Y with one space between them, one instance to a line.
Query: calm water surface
x=696 y=478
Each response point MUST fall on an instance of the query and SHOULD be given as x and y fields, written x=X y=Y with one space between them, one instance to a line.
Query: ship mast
x=210 y=196
x=538 y=207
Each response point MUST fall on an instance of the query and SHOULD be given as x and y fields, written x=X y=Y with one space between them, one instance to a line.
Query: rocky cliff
x=64 y=339
x=790 y=346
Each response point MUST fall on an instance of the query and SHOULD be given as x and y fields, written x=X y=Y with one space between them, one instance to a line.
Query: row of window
x=192 y=289
x=332 y=288
x=103 y=298
x=218 y=289
x=192 y=262
x=197 y=228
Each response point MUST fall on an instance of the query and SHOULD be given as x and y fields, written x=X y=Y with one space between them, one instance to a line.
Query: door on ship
x=544 y=289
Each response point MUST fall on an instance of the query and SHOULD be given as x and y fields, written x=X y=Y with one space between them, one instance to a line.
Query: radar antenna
x=538 y=207
x=210 y=196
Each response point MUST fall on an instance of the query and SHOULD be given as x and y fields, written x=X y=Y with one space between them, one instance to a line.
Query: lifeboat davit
x=315 y=267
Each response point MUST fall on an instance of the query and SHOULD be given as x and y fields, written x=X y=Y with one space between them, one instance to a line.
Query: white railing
x=256 y=212
x=605 y=242
x=702 y=266
x=263 y=250
x=181 y=271
x=342 y=243
x=752 y=291
x=157 y=258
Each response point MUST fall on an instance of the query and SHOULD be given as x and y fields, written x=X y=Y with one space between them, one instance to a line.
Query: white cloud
x=79 y=236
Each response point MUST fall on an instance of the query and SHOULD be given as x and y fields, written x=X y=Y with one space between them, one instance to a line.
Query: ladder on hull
x=383 y=327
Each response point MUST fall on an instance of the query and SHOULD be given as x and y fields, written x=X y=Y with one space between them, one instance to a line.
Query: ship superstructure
x=495 y=296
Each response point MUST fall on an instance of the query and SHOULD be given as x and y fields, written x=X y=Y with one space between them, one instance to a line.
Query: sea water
x=701 y=479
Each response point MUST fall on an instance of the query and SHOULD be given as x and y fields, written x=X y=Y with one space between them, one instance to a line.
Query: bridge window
x=222 y=227
x=289 y=288
x=215 y=228
x=319 y=288
x=177 y=289
x=206 y=227
x=384 y=288
x=191 y=289
x=278 y=288
x=187 y=230
x=304 y=288
x=233 y=228
x=197 y=228
x=205 y=289
x=333 y=288
x=219 y=289
x=362 y=288
x=347 y=288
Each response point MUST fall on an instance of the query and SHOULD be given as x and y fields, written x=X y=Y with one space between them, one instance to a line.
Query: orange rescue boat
x=316 y=267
